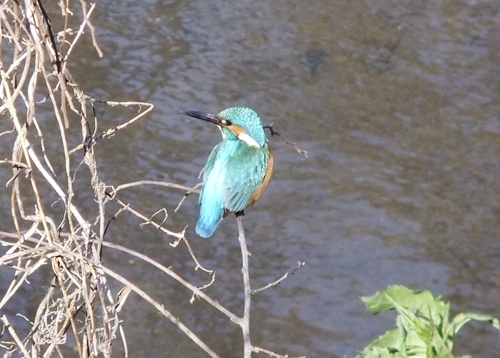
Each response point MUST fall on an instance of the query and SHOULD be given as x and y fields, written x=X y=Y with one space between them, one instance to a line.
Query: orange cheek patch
x=237 y=130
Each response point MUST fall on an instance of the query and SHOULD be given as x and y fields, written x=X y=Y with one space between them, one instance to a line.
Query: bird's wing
x=212 y=195
x=210 y=185
x=245 y=174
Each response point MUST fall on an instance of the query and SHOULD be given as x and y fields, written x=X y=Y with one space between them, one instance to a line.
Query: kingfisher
x=238 y=169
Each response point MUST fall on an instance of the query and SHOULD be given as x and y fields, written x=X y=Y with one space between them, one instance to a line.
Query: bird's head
x=237 y=123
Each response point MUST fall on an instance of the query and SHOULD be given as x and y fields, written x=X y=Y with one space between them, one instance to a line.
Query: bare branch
x=273 y=133
x=272 y=354
x=245 y=322
x=14 y=335
x=152 y=182
x=277 y=282
x=163 y=311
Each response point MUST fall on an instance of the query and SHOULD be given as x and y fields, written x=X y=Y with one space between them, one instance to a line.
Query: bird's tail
x=206 y=228
x=208 y=222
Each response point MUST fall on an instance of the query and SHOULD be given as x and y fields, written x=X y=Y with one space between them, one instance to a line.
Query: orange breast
x=269 y=172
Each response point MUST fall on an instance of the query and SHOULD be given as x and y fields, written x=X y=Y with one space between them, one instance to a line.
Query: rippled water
x=397 y=103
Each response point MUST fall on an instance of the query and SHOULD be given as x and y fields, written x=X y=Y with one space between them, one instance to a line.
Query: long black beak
x=209 y=117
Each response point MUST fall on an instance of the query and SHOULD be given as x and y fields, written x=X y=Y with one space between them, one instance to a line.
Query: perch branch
x=245 y=323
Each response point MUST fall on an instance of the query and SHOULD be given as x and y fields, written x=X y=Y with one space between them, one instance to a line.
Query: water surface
x=397 y=103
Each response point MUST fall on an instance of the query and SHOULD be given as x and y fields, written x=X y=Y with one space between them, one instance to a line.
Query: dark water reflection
x=397 y=103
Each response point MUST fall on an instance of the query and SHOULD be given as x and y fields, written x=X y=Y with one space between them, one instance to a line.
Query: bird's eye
x=228 y=123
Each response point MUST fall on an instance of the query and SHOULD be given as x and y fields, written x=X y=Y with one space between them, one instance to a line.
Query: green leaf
x=383 y=347
x=384 y=300
x=424 y=330
x=422 y=337
x=462 y=318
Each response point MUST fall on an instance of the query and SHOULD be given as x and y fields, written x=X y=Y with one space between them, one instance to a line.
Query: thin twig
x=151 y=182
x=178 y=235
x=197 y=290
x=112 y=131
x=192 y=190
x=273 y=133
x=272 y=354
x=14 y=335
x=83 y=223
x=274 y=283
x=163 y=311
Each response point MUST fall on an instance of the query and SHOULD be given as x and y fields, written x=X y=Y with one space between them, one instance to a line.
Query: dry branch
x=70 y=248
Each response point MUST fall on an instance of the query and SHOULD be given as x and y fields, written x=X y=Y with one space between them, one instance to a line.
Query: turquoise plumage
x=237 y=171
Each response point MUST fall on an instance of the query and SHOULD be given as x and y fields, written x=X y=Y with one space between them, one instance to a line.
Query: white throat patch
x=248 y=140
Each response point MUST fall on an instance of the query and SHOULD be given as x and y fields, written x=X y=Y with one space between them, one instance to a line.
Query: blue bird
x=237 y=171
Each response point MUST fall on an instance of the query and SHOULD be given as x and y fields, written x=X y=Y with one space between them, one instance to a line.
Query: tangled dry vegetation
x=35 y=77
x=51 y=231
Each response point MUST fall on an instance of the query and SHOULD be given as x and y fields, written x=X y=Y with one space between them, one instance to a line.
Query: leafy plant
x=423 y=326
